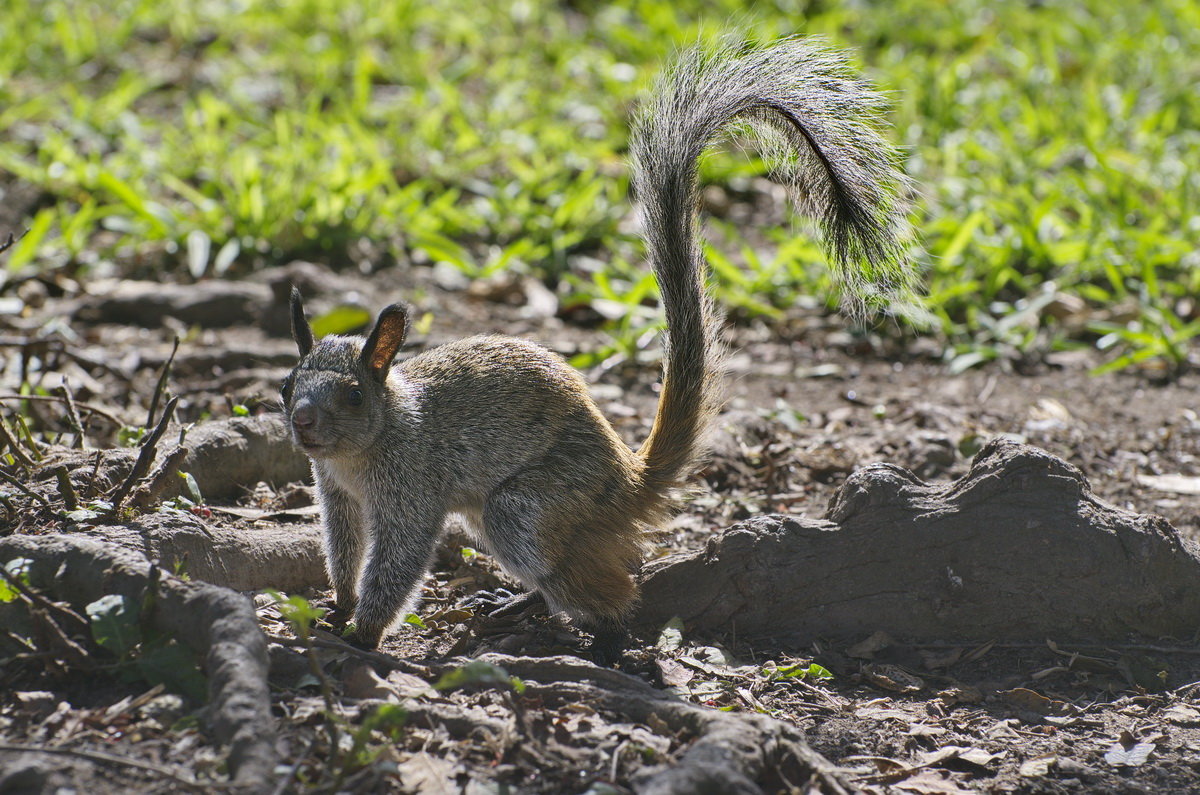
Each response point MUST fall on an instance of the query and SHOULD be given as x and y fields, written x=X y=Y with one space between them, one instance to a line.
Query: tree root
x=215 y=622
x=1017 y=549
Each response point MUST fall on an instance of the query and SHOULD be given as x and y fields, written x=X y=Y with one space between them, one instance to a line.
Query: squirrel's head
x=337 y=398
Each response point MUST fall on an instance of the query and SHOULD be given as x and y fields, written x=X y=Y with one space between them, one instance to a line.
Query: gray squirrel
x=504 y=432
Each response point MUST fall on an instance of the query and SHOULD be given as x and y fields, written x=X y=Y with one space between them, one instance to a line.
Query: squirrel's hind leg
x=578 y=550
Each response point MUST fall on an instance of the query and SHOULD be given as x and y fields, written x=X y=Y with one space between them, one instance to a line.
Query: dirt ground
x=809 y=403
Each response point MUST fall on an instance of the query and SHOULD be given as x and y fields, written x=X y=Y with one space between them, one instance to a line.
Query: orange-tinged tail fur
x=822 y=123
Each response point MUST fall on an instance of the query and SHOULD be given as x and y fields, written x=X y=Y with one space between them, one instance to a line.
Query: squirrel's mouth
x=308 y=445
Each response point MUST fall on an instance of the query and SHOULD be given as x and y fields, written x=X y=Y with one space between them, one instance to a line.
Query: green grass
x=1057 y=148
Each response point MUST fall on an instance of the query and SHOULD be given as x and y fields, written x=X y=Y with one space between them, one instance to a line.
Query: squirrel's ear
x=301 y=331
x=386 y=338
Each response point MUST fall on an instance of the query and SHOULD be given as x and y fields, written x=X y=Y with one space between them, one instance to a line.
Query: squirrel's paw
x=487 y=601
x=359 y=639
x=608 y=645
x=504 y=604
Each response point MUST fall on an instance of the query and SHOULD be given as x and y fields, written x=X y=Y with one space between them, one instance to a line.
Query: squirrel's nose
x=304 y=416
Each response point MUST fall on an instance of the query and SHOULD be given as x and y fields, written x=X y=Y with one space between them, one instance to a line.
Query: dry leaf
x=974 y=756
x=892 y=677
x=673 y=673
x=1038 y=766
x=935 y=660
x=1025 y=699
x=1125 y=753
x=880 y=713
x=959 y=694
x=932 y=783
x=865 y=649
x=428 y=774
x=1173 y=484
x=359 y=680
x=1183 y=715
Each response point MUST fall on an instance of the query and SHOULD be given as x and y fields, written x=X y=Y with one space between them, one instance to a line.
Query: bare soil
x=809 y=403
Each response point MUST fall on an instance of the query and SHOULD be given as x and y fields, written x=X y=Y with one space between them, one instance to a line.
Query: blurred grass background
x=1056 y=147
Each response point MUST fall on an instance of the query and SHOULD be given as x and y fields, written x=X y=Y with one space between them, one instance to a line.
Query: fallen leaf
x=428 y=774
x=1025 y=699
x=359 y=680
x=674 y=673
x=670 y=637
x=925 y=730
x=1038 y=766
x=959 y=694
x=974 y=756
x=892 y=677
x=880 y=713
x=1127 y=752
x=1173 y=484
x=1182 y=715
x=932 y=783
x=865 y=649
x=935 y=660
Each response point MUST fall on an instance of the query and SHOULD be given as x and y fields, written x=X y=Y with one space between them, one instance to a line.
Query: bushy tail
x=820 y=123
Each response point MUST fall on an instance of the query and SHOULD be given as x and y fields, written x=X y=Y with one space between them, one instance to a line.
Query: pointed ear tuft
x=389 y=334
x=301 y=331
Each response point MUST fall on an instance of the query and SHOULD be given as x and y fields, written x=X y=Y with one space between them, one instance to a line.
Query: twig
x=41 y=610
x=111 y=759
x=72 y=414
x=331 y=717
x=10 y=480
x=1090 y=647
x=10 y=241
x=286 y=781
x=146 y=454
x=161 y=478
x=66 y=488
x=90 y=491
x=379 y=658
x=161 y=386
x=59 y=399
x=9 y=439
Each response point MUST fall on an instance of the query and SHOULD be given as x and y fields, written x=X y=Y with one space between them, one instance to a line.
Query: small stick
x=72 y=414
x=146 y=454
x=10 y=480
x=66 y=488
x=23 y=428
x=10 y=241
x=9 y=439
x=376 y=657
x=59 y=399
x=90 y=491
x=162 y=477
x=112 y=759
x=161 y=386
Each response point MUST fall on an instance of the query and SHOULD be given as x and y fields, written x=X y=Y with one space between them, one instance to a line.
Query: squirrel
x=505 y=433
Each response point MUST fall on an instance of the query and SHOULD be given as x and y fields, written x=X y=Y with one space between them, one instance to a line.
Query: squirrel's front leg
x=344 y=542
x=403 y=538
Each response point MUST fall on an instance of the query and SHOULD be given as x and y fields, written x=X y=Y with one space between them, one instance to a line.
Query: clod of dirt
x=1017 y=549
x=212 y=304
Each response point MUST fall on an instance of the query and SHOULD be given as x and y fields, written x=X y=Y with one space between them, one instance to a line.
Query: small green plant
x=298 y=612
x=388 y=720
x=18 y=569
x=478 y=673
x=811 y=672
x=143 y=653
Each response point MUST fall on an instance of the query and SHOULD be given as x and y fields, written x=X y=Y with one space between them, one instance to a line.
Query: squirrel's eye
x=354 y=397
x=285 y=389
